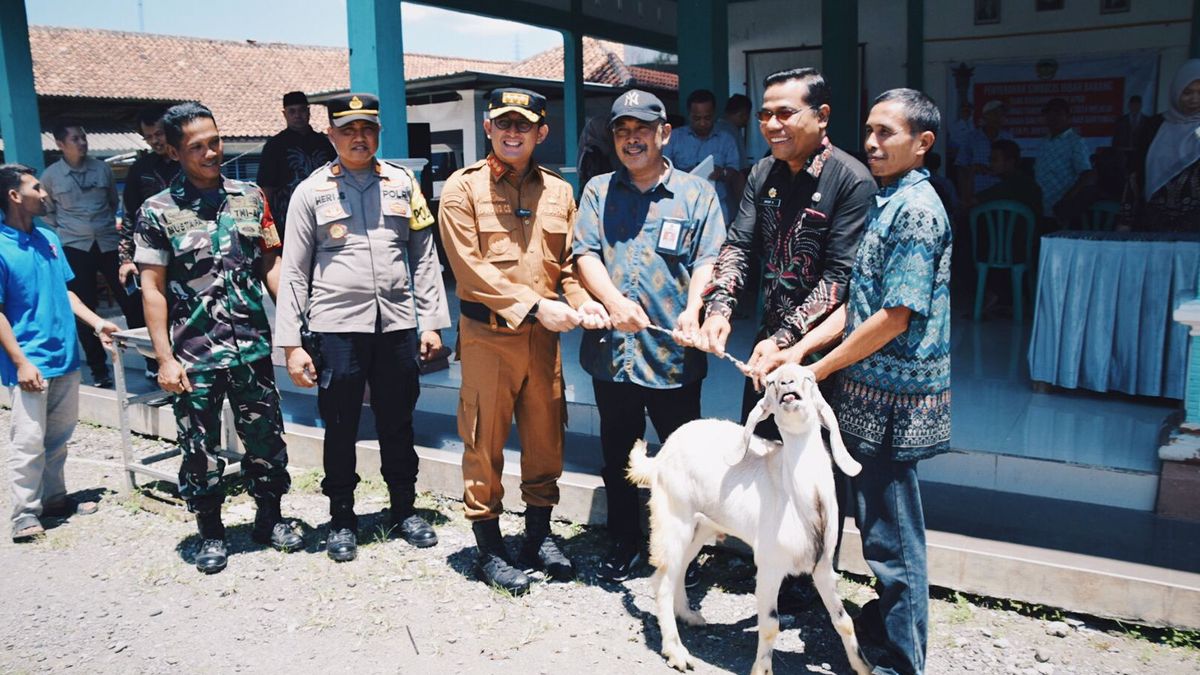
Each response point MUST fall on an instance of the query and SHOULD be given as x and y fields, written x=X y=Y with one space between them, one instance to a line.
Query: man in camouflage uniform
x=212 y=242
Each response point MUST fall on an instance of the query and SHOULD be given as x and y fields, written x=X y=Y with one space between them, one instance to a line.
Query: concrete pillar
x=573 y=102
x=377 y=66
x=915 y=66
x=19 y=124
x=703 y=49
x=839 y=61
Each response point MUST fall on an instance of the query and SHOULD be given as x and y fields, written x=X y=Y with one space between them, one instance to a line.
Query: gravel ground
x=116 y=592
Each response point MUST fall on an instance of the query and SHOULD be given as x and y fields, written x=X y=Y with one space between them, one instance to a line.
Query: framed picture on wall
x=1114 y=6
x=987 y=11
x=1048 y=5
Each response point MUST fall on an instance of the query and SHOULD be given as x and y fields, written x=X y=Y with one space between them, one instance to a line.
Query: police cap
x=347 y=108
x=531 y=105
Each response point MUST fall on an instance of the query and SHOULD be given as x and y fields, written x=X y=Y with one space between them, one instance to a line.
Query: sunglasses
x=506 y=123
x=782 y=114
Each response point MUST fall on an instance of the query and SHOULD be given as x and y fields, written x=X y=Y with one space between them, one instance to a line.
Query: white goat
x=713 y=477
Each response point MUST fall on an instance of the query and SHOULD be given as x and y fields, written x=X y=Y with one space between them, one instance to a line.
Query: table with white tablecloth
x=1103 y=311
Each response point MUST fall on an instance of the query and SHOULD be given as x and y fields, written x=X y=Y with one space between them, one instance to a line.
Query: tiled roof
x=603 y=63
x=242 y=82
x=654 y=79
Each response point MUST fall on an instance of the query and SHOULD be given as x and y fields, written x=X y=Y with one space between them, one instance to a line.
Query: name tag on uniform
x=671 y=236
x=180 y=222
x=246 y=215
x=330 y=204
x=770 y=203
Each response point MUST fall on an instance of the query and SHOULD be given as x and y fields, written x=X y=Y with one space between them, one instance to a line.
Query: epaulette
x=551 y=172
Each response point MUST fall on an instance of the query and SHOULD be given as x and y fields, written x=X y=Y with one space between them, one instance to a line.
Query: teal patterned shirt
x=649 y=242
x=904 y=388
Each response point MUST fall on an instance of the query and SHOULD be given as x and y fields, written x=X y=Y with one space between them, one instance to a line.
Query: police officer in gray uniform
x=361 y=265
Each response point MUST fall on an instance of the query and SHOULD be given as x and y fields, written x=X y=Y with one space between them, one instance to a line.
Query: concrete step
x=1094 y=559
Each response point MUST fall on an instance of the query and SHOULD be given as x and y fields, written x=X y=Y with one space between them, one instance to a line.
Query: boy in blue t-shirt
x=39 y=354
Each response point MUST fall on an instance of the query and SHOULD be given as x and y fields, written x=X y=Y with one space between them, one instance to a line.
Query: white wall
x=451 y=116
x=951 y=35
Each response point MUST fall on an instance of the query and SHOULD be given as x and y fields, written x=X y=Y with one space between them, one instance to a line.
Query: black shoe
x=492 y=564
x=101 y=379
x=868 y=625
x=416 y=531
x=539 y=552
x=342 y=544
x=269 y=528
x=549 y=558
x=494 y=570
x=281 y=537
x=796 y=595
x=691 y=577
x=624 y=557
x=211 y=557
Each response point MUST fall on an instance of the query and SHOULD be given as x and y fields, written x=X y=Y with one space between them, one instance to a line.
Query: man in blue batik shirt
x=893 y=394
x=646 y=237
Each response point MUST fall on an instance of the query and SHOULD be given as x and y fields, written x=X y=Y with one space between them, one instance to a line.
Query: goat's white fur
x=714 y=477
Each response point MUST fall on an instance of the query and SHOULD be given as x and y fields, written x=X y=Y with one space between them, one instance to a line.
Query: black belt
x=480 y=312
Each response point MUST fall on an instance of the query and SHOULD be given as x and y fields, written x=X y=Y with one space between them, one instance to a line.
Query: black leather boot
x=539 y=552
x=342 y=543
x=211 y=555
x=270 y=529
x=404 y=520
x=492 y=565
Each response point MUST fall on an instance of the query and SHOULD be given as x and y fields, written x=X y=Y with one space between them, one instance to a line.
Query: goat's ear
x=761 y=411
x=829 y=420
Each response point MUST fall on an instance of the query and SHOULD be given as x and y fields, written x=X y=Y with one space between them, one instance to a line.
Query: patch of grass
x=371 y=487
x=133 y=502
x=308 y=482
x=962 y=610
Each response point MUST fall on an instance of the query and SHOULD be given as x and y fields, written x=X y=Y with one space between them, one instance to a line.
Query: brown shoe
x=28 y=533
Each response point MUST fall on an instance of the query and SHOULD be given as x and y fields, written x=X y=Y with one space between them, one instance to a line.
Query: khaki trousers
x=507 y=372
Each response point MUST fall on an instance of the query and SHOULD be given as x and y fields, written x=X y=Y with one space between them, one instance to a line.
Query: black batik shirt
x=805 y=229
x=149 y=175
x=287 y=159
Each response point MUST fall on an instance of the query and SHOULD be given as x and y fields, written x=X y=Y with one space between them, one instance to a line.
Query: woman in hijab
x=1165 y=195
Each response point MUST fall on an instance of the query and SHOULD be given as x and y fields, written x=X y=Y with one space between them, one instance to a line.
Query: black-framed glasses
x=781 y=114
x=506 y=123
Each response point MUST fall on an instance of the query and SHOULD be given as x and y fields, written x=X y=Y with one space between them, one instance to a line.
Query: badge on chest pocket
x=674 y=235
x=330 y=205
x=394 y=199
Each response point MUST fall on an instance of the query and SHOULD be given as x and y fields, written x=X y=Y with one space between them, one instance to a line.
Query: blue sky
x=427 y=30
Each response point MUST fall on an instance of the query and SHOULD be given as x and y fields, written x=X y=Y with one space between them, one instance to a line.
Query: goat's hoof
x=761 y=668
x=679 y=658
x=692 y=617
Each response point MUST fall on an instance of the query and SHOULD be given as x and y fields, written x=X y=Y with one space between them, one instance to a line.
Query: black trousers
x=623 y=407
x=85 y=265
x=388 y=361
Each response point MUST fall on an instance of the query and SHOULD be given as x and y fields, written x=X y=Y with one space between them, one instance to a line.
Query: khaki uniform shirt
x=501 y=259
x=83 y=204
x=358 y=249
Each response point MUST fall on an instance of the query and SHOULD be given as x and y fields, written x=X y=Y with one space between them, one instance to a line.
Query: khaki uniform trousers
x=507 y=372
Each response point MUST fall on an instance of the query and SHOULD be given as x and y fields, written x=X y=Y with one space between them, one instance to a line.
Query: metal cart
x=139 y=340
